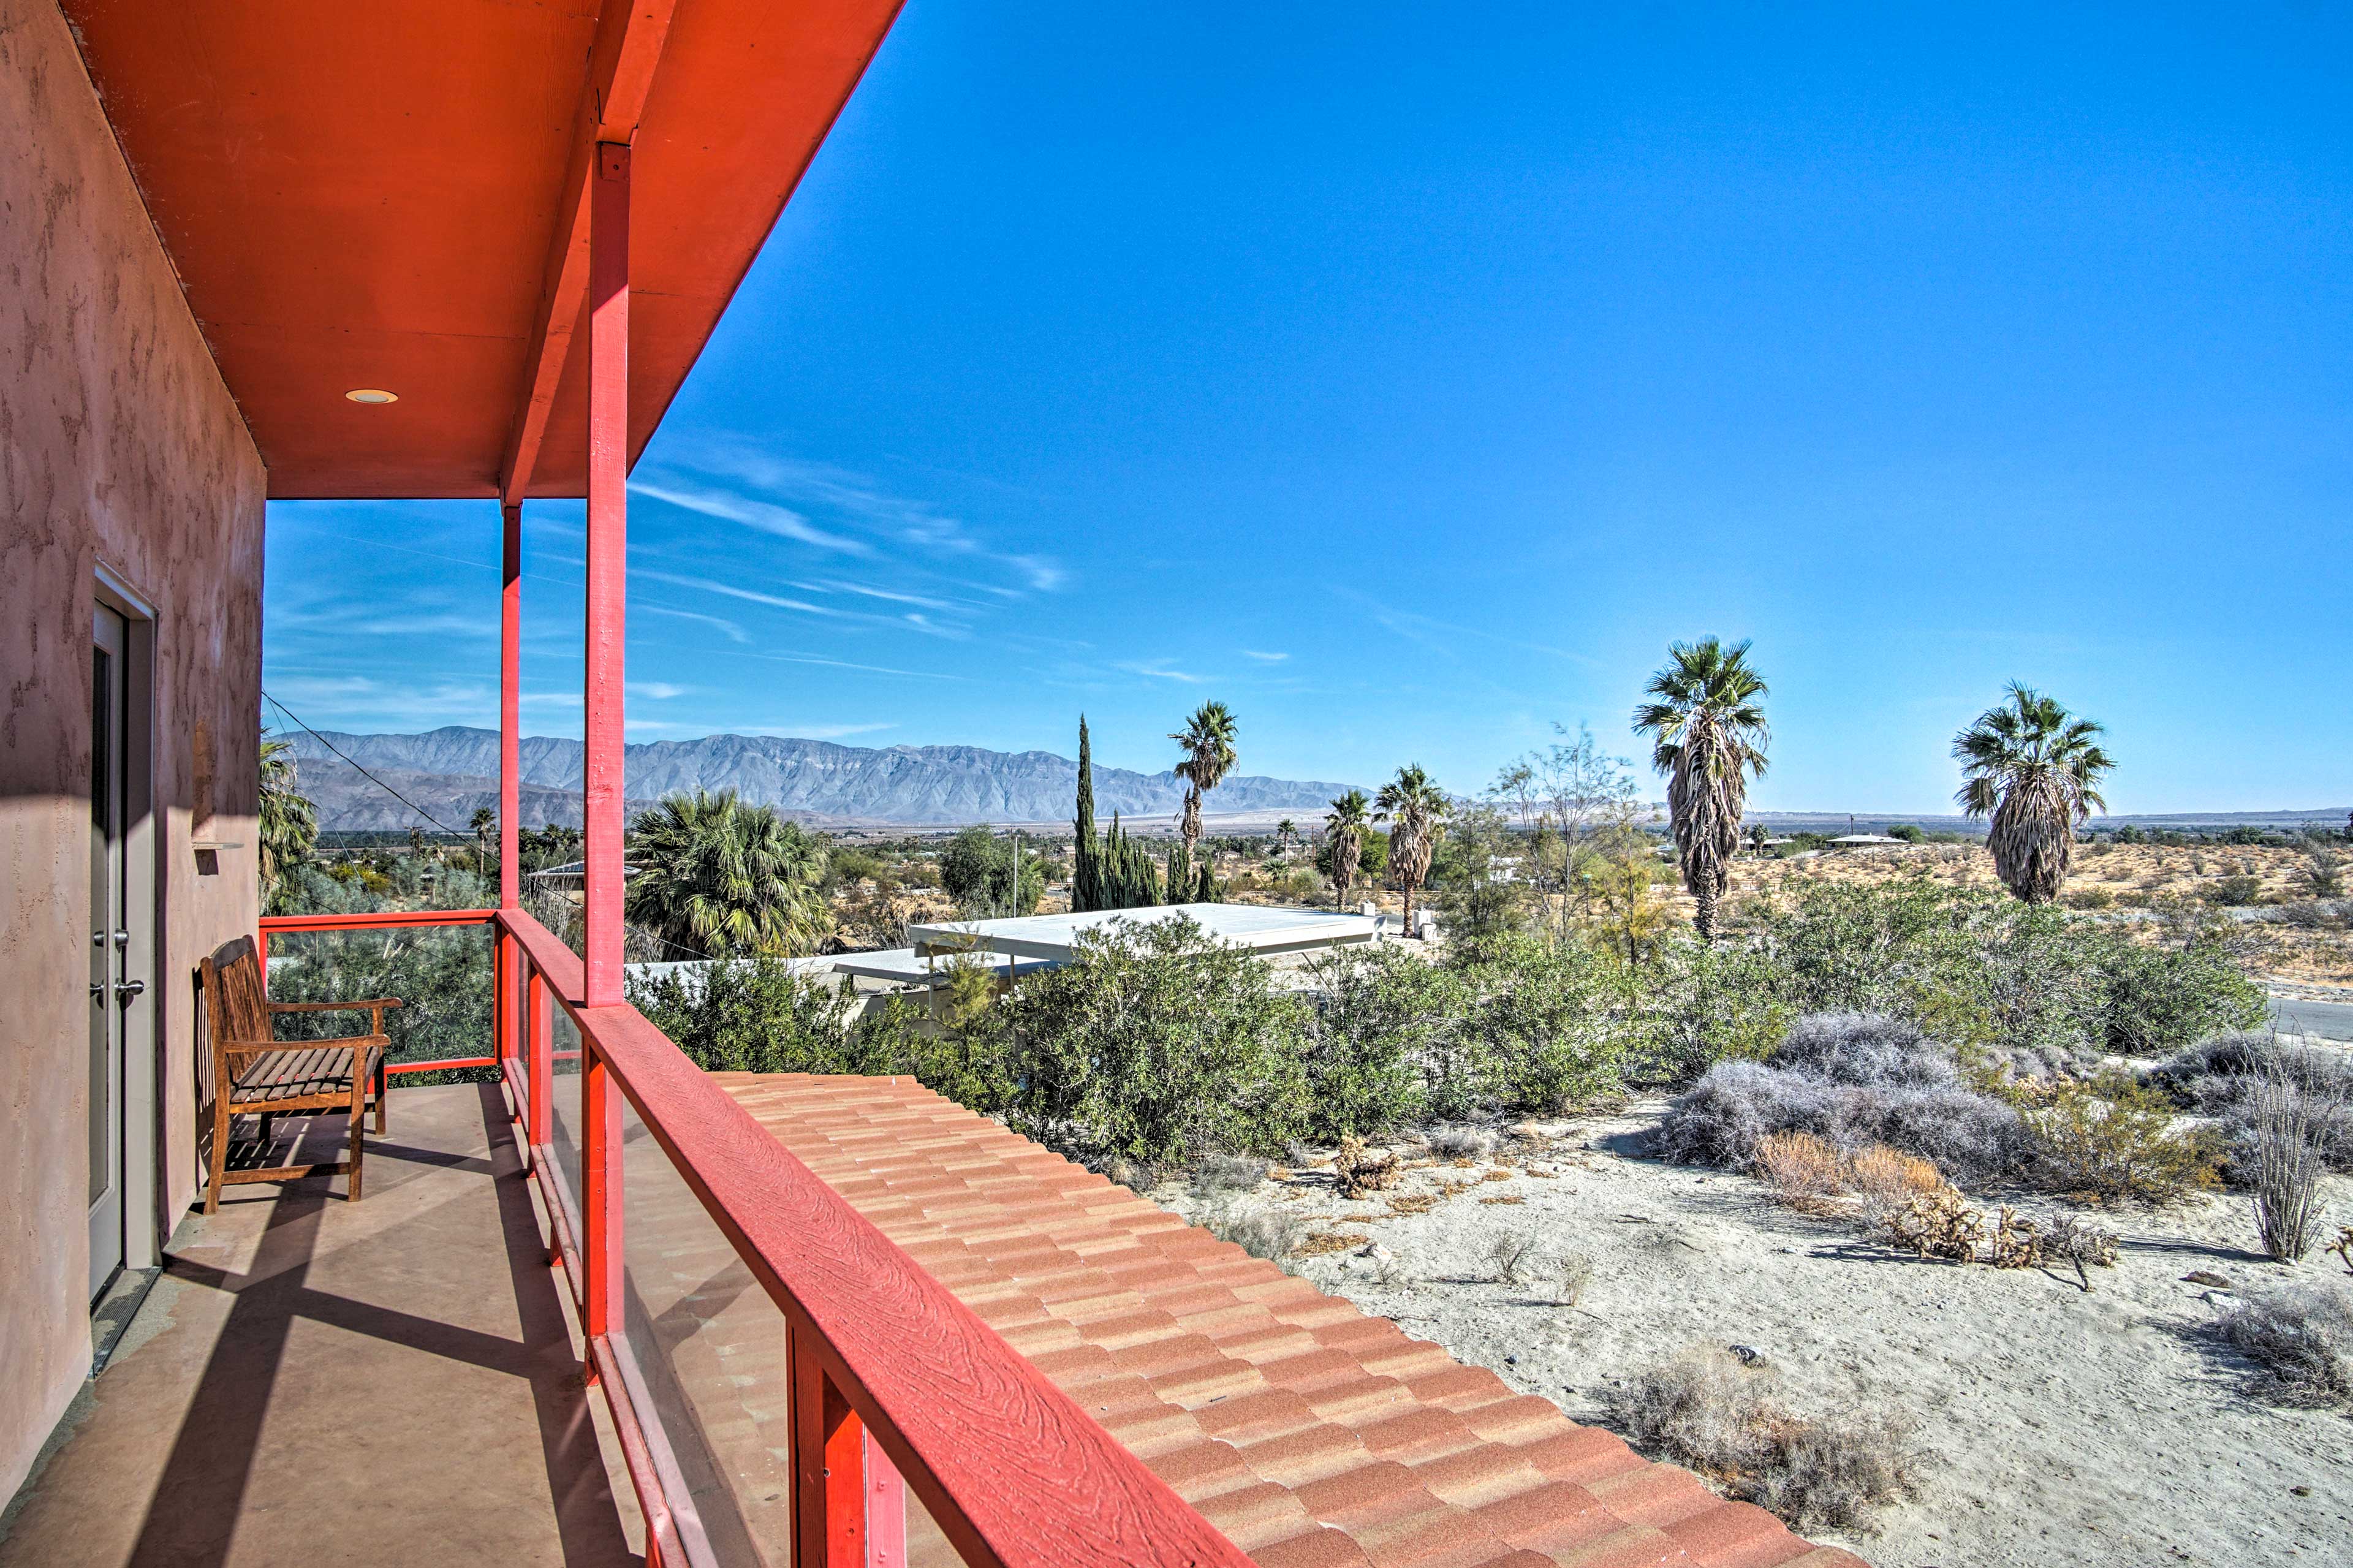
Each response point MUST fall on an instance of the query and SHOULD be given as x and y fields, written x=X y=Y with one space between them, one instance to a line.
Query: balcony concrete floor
x=313 y=1381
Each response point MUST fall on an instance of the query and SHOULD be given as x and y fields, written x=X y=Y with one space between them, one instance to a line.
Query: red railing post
x=602 y=744
x=600 y=1198
x=510 y=707
x=828 y=1466
x=539 y=1026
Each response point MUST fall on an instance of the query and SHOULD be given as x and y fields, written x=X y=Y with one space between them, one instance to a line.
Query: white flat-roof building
x=1054 y=938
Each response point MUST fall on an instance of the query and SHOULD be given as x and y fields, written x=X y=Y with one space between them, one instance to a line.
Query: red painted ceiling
x=363 y=195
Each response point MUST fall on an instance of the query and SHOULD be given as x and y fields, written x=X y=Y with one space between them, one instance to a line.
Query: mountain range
x=452 y=771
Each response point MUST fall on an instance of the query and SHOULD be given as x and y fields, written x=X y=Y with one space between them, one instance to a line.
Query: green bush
x=1158 y=1043
x=1709 y=1002
x=1543 y=1019
x=1378 y=1014
x=2235 y=891
x=442 y=973
x=2161 y=999
x=756 y=1015
x=2111 y=1137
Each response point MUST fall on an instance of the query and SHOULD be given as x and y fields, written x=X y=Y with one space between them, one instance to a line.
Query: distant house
x=1867 y=841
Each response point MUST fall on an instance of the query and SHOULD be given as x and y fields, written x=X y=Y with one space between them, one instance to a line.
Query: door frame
x=144 y=1143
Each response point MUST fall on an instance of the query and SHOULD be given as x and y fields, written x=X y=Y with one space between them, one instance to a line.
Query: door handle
x=124 y=990
x=98 y=992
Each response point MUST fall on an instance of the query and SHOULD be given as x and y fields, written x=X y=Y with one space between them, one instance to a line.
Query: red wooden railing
x=403 y=919
x=894 y=1383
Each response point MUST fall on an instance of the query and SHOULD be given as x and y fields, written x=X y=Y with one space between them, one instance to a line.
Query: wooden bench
x=253 y=1070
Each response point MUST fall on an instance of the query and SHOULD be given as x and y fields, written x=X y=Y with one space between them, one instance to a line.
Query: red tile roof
x=1311 y=1434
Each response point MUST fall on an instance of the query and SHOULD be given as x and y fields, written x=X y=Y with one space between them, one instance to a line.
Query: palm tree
x=289 y=824
x=1417 y=809
x=1710 y=732
x=484 y=819
x=1207 y=738
x=1283 y=833
x=718 y=877
x=1347 y=825
x=2036 y=769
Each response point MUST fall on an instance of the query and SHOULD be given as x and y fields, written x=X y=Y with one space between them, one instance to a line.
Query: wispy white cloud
x=765 y=516
x=848 y=499
x=734 y=633
x=1264 y=658
x=749 y=596
x=1158 y=669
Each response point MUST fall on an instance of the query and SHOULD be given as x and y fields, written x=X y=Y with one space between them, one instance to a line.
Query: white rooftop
x=1250 y=926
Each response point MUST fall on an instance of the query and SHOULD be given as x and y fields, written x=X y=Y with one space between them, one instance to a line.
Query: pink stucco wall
x=119 y=446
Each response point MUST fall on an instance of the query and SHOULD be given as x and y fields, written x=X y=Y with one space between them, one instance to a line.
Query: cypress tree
x=1087 y=874
x=1207 y=893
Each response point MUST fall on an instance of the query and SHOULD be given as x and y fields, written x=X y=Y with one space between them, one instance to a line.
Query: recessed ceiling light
x=371 y=394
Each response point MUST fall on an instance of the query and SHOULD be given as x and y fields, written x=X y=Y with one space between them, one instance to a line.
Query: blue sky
x=1408 y=377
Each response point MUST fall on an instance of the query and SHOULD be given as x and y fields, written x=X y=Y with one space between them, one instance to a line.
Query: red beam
x=629 y=39
x=510 y=707
x=378 y=920
x=608 y=566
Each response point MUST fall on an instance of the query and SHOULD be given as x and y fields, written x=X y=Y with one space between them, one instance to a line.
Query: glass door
x=109 y=939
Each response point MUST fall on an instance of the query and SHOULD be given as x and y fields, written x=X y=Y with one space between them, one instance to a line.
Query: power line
x=357 y=768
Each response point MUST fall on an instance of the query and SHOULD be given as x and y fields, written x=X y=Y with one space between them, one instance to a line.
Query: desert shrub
x=1228 y=1173
x=1262 y=1232
x=1852 y=1081
x=751 y=1014
x=2300 y=1339
x=2322 y=875
x=1387 y=1043
x=2090 y=899
x=1865 y=1048
x=1939 y=1224
x=1885 y=1179
x=1461 y=1142
x=2288 y=1132
x=1708 y=1002
x=2111 y=1137
x=1705 y=1409
x=756 y=1015
x=2220 y=1077
x=1359 y=1170
x=1542 y=1017
x=1159 y=1044
x=1977 y=970
x=2235 y=891
x=1510 y=1254
x=2165 y=996
x=1572 y=1274
x=1801 y=1168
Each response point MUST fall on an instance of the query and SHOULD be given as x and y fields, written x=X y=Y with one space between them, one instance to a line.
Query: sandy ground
x=2101 y=1429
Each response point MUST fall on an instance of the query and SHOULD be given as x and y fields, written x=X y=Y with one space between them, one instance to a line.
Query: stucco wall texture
x=119 y=446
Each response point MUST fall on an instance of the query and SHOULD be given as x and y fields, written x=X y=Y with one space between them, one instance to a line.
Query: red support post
x=828 y=1466
x=600 y=1199
x=503 y=1021
x=510 y=707
x=608 y=466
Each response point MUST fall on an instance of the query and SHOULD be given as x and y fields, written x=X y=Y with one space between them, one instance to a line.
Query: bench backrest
x=234 y=996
